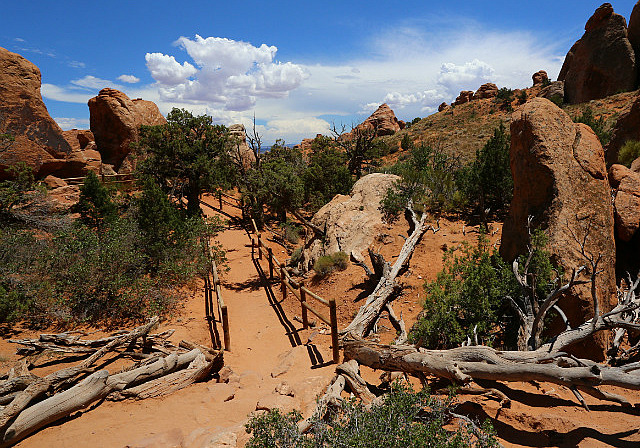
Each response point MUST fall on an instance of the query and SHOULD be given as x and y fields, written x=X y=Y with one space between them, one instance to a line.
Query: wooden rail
x=105 y=178
x=299 y=291
x=212 y=285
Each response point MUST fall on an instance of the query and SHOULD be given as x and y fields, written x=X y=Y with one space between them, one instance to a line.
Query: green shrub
x=95 y=205
x=629 y=152
x=404 y=419
x=487 y=182
x=14 y=191
x=292 y=232
x=504 y=98
x=428 y=181
x=296 y=257
x=326 y=264
x=597 y=124
x=522 y=97
x=406 y=144
x=557 y=99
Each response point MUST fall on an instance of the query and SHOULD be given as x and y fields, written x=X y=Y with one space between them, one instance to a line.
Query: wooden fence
x=211 y=289
x=299 y=291
x=105 y=178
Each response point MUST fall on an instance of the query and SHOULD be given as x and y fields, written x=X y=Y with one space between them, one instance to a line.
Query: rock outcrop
x=554 y=91
x=602 y=62
x=241 y=151
x=633 y=32
x=115 y=120
x=540 y=78
x=626 y=185
x=560 y=179
x=488 y=90
x=464 y=97
x=351 y=222
x=442 y=107
x=38 y=139
x=383 y=121
x=627 y=128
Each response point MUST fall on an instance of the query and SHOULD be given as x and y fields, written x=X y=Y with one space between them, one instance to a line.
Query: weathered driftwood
x=40 y=386
x=156 y=379
x=330 y=398
x=387 y=287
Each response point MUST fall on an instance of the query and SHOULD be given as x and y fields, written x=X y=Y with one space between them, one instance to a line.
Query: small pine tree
x=95 y=205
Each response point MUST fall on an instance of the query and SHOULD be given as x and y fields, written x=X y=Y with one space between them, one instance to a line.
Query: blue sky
x=299 y=66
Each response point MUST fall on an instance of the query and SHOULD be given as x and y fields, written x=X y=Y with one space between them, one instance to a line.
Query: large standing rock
x=464 y=97
x=540 y=78
x=488 y=90
x=241 y=149
x=560 y=179
x=627 y=128
x=115 y=121
x=383 y=121
x=554 y=91
x=38 y=139
x=602 y=62
x=350 y=222
x=84 y=155
x=626 y=184
x=633 y=32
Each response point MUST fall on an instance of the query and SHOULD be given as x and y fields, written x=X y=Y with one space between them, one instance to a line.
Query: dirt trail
x=211 y=414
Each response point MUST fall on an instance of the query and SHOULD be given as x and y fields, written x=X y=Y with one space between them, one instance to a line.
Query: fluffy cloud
x=92 y=82
x=229 y=73
x=66 y=95
x=129 y=79
x=455 y=78
x=67 y=123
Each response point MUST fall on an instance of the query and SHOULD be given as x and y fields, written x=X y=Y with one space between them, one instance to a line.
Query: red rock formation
x=442 y=107
x=38 y=139
x=115 y=121
x=241 y=151
x=627 y=128
x=464 y=97
x=540 y=78
x=560 y=179
x=488 y=90
x=633 y=32
x=627 y=201
x=383 y=121
x=602 y=62
x=553 y=90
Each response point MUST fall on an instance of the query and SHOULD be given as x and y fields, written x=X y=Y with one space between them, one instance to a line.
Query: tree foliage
x=186 y=156
x=326 y=174
x=487 y=182
x=403 y=419
x=14 y=191
x=597 y=124
x=95 y=205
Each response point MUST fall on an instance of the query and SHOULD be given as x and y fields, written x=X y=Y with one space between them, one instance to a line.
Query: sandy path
x=262 y=347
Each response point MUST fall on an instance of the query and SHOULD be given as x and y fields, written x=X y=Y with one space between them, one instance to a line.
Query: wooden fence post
x=270 y=255
x=303 y=301
x=334 y=330
x=253 y=246
x=225 y=328
x=283 y=281
x=259 y=247
x=220 y=198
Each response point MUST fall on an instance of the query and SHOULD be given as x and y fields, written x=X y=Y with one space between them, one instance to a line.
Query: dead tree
x=387 y=287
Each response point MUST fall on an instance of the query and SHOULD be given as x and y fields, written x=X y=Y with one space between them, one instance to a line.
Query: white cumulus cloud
x=469 y=75
x=129 y=79
x=92 y=82
x=229 y=73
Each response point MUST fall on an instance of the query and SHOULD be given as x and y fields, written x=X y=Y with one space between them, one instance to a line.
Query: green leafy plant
x=14 y=191
x=597 y=124
x=487 y=182
x=327 y=173
x=404 y=419
x=629 y=152
x=326 y=264
x=95 y=205
x=504 y=98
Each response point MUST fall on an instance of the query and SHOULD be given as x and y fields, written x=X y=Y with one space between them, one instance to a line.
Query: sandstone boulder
x=38 y=139
x=383 y=121
x=626 y=128
x=241 y=151
x=84 y=155
x=553 y=91
x=464 y=97
x=442 y=107
x=633 y=32
x=115 y=120
x=351 y=222
x=560 y=179
x=602 y=62
x=626 y=184
x=540 y=78
x=488 y=90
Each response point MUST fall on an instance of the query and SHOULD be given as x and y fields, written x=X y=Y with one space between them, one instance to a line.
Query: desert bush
x=404 y=419
x=487 y=182
x=557 y=99
x=326 y=264
x=326 y=174
x=470 y=295
x=296 y=257
x=15 y=190
x=504 y=98
x=95 y=205
x=597 y=124
x=428 y=181
x=629 y=152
